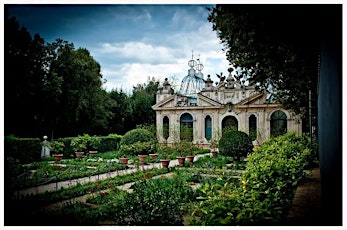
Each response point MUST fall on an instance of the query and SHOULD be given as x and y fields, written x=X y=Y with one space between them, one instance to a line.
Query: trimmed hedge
x=26 y=150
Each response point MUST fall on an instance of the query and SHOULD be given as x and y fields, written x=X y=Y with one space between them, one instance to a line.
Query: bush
x=137 y=141
x=153 y=202
x=137 y=135
x=266 y=188
x=235 y=144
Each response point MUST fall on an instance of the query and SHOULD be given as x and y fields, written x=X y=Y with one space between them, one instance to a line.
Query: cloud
x=137 y=51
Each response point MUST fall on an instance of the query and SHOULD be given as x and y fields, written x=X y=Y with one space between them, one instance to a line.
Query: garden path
x=65 y=184
x=306 y=204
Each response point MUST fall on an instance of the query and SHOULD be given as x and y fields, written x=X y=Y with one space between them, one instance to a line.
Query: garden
x=240 y=185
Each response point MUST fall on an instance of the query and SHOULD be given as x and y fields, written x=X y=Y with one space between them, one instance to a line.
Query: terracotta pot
x=57 y=157
x=165 y=163
x=181 y=161
x=92 y=152
x=153 y=156
x=190 y=159
x=214 y=152
x=124 y=160
x=79 y=155
x=142 y=158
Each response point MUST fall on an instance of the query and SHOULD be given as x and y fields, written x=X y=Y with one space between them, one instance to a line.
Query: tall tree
x=142 y=99
x=277 y=44
x=81 y=103
x=121 y=113
x=24 y=70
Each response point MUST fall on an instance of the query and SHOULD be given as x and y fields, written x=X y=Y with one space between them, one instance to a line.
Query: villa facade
x=206 y=109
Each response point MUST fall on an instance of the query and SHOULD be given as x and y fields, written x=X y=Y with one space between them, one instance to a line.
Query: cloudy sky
x=131 y=42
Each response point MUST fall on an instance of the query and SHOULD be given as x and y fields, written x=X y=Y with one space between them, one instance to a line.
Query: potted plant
x=141 y=148
x=181 y=159
x=57 y=148
x=214 y=146
x=79 y=145
x=125 y=151
x=165 y=161
x=94 y=143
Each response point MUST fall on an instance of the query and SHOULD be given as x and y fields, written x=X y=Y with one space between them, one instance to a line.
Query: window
x=252 y=125
x=186 y=127
x=230 y=122
x=278 y=123
x=166 y=127
x=208 y=127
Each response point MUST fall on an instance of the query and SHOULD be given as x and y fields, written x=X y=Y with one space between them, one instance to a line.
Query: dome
x=193 y=82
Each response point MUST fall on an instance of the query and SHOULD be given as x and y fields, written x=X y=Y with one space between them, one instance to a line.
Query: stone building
x=201 y=110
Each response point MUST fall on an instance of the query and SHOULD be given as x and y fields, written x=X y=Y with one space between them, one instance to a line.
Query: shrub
x=235 y=144
x=266 y=188
x=153 y=202
x=137 y=148
x=79 y=143
x=135 y=135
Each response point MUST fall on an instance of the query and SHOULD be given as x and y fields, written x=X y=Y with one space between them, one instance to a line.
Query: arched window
x=186 y=127
x=278 y=123
x=208 y=127
x=252 y=125
x=230 y=122
x=166 y=127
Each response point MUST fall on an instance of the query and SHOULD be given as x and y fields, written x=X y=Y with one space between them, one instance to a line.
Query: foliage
x=265 y=190
x=186 y=133
x=136 y=135
x=235 y=143
x=79 y=143
x=286 y=57
x=153 y=202
x=121 y=112
x=142 y=99
x=137 y=148
x=94 y=142
x=56 y=147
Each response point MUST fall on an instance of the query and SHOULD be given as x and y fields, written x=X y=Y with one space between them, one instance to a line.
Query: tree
x=276 y=44
x=24 y=70
x=79 y=101
x=121 y=112
x=142 y=99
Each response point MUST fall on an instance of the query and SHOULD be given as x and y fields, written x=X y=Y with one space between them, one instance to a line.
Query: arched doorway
x=278 y=123
x=230 y=122
x=186 y=127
